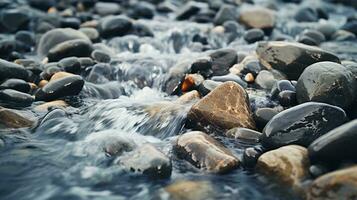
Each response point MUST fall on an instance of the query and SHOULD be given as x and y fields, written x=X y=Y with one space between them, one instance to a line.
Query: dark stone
x=78 y=48
x=13 y=98
x=70 y=22
x=15 y=19
x=149 y=161
x=280 y=86
x=7 y=46
x=308 y=41
x=306 y=14
x=141 y=30
x=26 y=37
x=225 y=13
x=16 y=84
x=327 y=82
x=42 y=4
x=202 y=66
x=187 y=11
x=11 y=70
x=263 y=115
x=317 y=170
x=142 y=10
x=251 y=155
x=49 y=70
x=222 y=60
x=70 y=64
x=317 y=36
x=56 y=36
x=302 y=124
x=100 y=56
x=336 y=146
x=253 y=35
x=287 y=98
x=67 y=86
x=350 y=27
x=291 y=58
x=112 y=26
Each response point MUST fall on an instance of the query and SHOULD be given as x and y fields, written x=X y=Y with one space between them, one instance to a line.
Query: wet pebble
x=16 y=84
x=253 y=35
x=204 y=152
x=11 y=70
x=302 y=124
x=263 y=115
x=13 y=98
x=112 y=26
x=70 y=64
x=77 y=47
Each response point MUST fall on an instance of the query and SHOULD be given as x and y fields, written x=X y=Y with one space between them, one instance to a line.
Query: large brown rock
x=340 y=184
x=205 y=152
x=291 y=58
x=258 y=17
x=288 y=165
x=225 y=107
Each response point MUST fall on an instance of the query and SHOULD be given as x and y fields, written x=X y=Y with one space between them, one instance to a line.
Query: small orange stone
x=249 y=78
x=42 y=83
x=59 y=75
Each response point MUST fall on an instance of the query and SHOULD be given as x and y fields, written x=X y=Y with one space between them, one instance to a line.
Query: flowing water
x=63 y=158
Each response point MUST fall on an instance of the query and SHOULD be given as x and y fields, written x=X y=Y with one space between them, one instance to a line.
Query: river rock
x=222 y=60
x=263 y=115
x=70 y=64
x=106 y=8
x=258 y=17
x=207 y=86
x=244 y=135
x=11 y=70
x=190 y=190
x=226 y=107
x=77 y=47
x=112 y=26
x=205 y=152
x=13 y=98
x=340 y=184
x=50 y=105
x=14 y=19
x=15 y=119
x=291 y=58
x=289 y=165
x=339 y=144
x=16 y=84
x=56 y=36
x=327 y=82
x=302 y=124
x=149 y=161
x=253 y=35
x=66 y=86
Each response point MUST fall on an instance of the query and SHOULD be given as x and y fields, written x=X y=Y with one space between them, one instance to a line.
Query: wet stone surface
x=178 y=99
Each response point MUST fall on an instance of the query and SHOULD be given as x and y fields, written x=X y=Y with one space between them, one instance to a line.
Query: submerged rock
x=149 y=161
x=291 y=58
x=302 y=124
x=327 y=82
x=205 y=152
x=190 y=190
x=339 y=144
x=289 y=165
x=66 y=86
x=15 y=119
x=225 y=107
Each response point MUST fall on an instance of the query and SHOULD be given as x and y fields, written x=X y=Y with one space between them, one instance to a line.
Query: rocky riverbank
x=183 y=100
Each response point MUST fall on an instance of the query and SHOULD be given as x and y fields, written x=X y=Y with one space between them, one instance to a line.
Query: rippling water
x=64 y=158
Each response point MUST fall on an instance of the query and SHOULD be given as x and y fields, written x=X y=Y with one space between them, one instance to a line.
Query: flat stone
x=225 y=107
x=13 y=98
x=336 y=146
x=149 y=161
x=205 y=152
x=302 y=124
x=288 y=165
x=340 y=184
x=291 y=58
x=48 y=105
